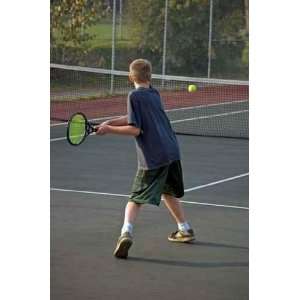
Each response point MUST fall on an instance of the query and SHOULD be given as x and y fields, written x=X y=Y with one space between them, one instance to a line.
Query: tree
x=231 y=37
x=69 y=21
x=187 y=34
x=245 y=55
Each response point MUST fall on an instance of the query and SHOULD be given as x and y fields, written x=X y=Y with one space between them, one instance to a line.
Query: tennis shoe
x=123 y=245
x=182 y=236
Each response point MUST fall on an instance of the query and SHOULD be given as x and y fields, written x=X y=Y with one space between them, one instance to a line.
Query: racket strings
x=77 y=129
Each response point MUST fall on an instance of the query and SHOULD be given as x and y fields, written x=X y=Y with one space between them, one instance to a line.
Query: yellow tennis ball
x=192 y=88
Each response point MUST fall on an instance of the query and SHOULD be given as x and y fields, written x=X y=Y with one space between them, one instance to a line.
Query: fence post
x=165 y=42
x=210 y=37
x=113 y=40
x=120 y=19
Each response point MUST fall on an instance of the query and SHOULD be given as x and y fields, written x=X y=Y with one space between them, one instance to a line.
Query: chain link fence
x=199 y=38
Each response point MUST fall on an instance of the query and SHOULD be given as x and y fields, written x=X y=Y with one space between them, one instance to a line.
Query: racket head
x=77 y=129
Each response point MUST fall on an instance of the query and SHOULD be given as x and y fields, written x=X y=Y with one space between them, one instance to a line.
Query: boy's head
x=140 y=71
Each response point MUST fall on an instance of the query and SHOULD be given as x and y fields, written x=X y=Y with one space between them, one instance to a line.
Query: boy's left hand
x=103 y=129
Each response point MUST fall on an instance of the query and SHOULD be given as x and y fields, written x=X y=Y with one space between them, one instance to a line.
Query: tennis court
x=89 y=188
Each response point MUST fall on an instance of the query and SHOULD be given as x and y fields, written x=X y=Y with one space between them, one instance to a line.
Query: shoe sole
x=122 y=248
x=182 y=240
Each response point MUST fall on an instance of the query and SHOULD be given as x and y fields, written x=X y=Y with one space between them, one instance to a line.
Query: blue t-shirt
x=156 y=145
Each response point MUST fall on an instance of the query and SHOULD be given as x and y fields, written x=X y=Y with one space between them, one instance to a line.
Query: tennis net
x=217 y=108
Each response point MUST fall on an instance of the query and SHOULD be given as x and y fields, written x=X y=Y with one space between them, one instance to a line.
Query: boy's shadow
x=218 y=264
x=174 y=263
x=218 y=245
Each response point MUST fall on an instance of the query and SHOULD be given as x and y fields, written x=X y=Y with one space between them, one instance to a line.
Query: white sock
x=127 y=227
x=184 y=226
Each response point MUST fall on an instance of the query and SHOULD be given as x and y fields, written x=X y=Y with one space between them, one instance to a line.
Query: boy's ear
x=130 y=78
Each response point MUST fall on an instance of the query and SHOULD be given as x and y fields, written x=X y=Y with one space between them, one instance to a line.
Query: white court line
x=210 y=116
x=167 y=110
x=88 y=192
x=64 y=138
x=183 y=120
x=96 y=119
x=58 y=139
x=215 y=205
x=183 y=201
x=207 y=105
x=216 y=182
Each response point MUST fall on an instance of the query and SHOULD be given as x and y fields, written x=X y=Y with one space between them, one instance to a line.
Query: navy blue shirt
x=156 y=145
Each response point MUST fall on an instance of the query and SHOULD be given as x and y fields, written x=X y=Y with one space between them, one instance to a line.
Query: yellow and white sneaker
x=181 y=236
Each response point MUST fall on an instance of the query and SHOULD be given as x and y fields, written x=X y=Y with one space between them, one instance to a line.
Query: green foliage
x=245 y=55
x=230 y=39
x=187 y=35
x=70 y=20
x=81 y=34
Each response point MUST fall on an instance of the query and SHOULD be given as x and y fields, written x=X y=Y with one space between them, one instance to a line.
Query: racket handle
x=90 y=128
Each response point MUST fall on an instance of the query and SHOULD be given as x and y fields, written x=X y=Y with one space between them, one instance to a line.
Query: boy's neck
x=144 y=85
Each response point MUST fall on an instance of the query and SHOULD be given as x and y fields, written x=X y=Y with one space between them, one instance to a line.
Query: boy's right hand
x=103 y=129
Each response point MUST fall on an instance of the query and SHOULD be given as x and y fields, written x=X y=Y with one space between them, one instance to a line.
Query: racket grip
x=90 y=128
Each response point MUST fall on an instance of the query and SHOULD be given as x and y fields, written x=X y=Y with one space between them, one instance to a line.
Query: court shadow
x=218 y=245
x=189 y=264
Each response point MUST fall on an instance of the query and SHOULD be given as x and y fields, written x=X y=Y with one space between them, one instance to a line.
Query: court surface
x=89 y=188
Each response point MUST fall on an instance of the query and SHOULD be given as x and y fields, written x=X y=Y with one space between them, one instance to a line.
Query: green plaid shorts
x=149 y=185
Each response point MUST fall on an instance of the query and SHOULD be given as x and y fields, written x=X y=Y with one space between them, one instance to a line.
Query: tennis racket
x=79 y=128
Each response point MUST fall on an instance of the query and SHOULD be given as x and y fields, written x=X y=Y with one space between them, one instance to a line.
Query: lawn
x=102 y=36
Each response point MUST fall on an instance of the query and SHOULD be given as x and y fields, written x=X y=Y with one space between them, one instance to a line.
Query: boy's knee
x=133 y=203
x=167 y=197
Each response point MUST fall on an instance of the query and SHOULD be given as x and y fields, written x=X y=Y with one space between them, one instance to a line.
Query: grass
x=102 y=36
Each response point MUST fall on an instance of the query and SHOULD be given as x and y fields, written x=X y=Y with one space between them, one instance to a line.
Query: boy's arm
x=121 y=121
x=125 y=125
x=122 y=130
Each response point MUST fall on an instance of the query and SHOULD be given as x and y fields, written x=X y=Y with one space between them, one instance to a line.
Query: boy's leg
x=125 y=240
x=174 y=207
x=185 y=232
x=131 y=211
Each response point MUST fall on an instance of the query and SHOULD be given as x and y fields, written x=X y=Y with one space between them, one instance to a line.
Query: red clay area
x=116 y=105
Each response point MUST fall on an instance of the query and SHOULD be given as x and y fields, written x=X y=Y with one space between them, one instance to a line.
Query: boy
x=159 y=173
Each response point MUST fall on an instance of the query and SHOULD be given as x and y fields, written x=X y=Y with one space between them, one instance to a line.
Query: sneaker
x=181 y=236
x=123 y=245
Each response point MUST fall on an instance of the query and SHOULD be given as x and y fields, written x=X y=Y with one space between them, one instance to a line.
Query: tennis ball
x=192 y=88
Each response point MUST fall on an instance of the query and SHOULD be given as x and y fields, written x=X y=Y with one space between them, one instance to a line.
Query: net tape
x=154 y=76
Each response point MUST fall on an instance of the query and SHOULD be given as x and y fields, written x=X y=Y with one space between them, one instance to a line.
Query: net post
x=165 y=43
x=113 y=40
x=210 y=37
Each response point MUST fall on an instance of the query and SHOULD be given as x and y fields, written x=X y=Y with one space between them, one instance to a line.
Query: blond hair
x=140 y=70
